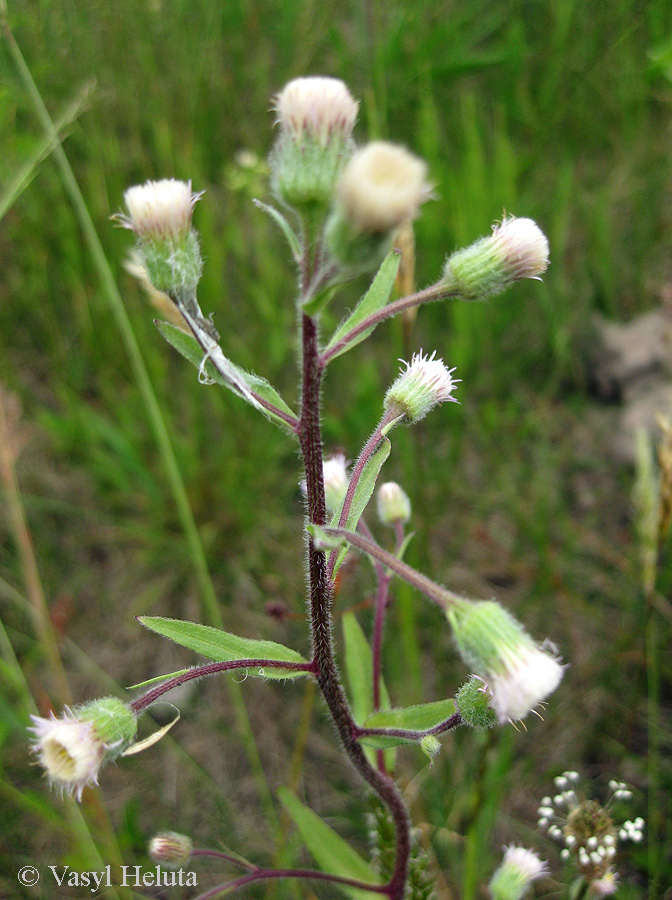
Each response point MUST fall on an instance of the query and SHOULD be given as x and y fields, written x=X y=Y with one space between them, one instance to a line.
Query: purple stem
x=141 y=703
x=264 y=874
x=408 y=734
x=428 y=295
x=321 y=598
x=440 y=595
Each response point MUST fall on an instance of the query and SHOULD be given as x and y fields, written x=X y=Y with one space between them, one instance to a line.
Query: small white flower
x=336 y=480
x=393 y=504
x=420 y=387
x=316 y=107
x=73 y=747
x=530 y=677
x=382 y=186
x=518 y=870
x=605 y=886
x=69 y=750
x=159 y=210
x=524 y=246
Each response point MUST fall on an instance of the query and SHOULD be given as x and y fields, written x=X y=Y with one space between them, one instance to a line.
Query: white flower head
x=518 y=673
x=73 y=747
x=318 y=108
x=422 y=385
x=336 y=480
x=171 y=849
x=382 y=186
x=604 y=886
x=69 y=750
x=519 y=869
x=393 y=504
x=516 y=249
x=160 y=210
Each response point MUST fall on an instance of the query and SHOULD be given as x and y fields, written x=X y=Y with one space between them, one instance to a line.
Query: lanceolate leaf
x=412 y=718
x=365 y=487
x=359 y=670
x=331 y=852
x=374 y=299
x=221 y=646
x=258 y=387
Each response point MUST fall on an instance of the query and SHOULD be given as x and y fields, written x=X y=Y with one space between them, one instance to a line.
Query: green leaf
x=221 y=646
x=322 y=540
x=359 y=671
x=414 y=718
x=284 y=226
x=332 y=854
x=363 y=491
x=374 y=299
x=188 y=346
x=155 y=680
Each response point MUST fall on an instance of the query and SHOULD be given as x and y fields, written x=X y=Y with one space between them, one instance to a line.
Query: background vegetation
x=558 y=111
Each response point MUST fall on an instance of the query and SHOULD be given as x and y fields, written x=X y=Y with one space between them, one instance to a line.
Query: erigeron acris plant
x=340 y=208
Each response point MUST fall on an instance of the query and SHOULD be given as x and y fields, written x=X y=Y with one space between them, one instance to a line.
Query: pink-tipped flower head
x=516 y=671
x=316 y=108
x=160 y=210
x=171 y=849
x=316 y=117
x=422 y=385
x=519 y=869
x=73 y=747
x=516 y=249
x=159 y=213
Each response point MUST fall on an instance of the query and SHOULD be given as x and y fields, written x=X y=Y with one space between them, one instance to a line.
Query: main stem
x=321 y=598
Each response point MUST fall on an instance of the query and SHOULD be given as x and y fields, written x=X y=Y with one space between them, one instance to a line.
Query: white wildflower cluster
x=587 y=831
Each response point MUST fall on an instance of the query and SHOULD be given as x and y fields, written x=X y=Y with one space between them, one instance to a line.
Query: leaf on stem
x=359 y=671
x=411 y=718
x=189 y=348
x=363 y=491
x=284 y=226
x=331 y=852
x=374 y=299
x=221 y=646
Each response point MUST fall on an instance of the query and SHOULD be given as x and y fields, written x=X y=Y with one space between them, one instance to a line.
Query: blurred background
x=128 y=488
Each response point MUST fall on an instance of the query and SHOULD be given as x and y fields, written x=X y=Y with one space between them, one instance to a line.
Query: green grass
x=555 y=111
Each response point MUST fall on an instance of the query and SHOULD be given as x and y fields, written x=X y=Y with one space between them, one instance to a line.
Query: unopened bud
x=472 y=701
x=393 y=504
x=424 y=384
x=336 y=480
x=171 y=849
x=516 y=249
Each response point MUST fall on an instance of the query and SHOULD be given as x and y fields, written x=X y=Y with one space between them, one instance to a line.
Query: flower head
x=382 y=186
x=517 y=672
x=73 y=747
x=336 y=480
x=516 y=249
x=422 y=385
x=393 y=504
x=518 y=870
x=171 y=849
x=159 y=213
x=160 y=209
x=316 y=108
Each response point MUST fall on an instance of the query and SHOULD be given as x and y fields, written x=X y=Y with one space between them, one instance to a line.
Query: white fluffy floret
x=530 y=675
x=336 y=480
x=422 y=385
x=524 y=245
x=526 y=862
x=159 y=209
x=382 y=186
x=69 y=750
x=317 y=107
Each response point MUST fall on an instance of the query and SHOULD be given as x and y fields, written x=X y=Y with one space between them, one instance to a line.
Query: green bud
x=472 y=701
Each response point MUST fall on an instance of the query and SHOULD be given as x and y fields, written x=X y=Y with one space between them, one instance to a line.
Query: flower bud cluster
x=587 y=831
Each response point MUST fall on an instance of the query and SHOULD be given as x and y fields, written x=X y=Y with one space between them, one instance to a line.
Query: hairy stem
x=321 y=598
x=264 y=874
